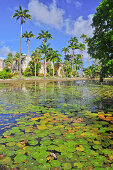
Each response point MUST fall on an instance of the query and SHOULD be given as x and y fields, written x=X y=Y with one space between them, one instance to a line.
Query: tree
x=28 y=35
x=36 y=57
x=84 y=37
x=22 y=15
x=45 y=35
x=17 y=58
x=9 y=61
x=101 y=44
x=73 y=45
x=53 y=56
x=78 y=62
x=65 y=50
x=81 y=48
x=67 y=68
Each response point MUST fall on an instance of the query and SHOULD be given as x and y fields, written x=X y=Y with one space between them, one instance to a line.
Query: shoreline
x=50 y=79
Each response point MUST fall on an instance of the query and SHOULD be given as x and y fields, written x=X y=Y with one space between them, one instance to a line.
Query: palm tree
x=44 y=50
x=73 y=45
x=9 y=61
x=84 y=37
x=82 y=47
x=65 y=50
x=16 y=58
x=36 y=57
x=28 y=35
x=45 y=35
x=22 y=15
x=53 y=56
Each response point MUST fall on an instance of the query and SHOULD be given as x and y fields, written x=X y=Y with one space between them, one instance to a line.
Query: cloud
x=77 y=4
x=79 y=26
x=54 y=17
x=4 y=51
x=43 y=14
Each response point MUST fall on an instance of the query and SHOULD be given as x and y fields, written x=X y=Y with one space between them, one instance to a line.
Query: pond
x=56 y=125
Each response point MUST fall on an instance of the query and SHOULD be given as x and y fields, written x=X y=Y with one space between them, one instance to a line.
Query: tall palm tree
x=28 y=35
x=22 y=15
x=16 y=58
x=53 y=56
x=65 y=50
x=44 y=50
x=36 y=57
x=73 y=45
x=82 y=47
x=84 y=37
x=45 y=35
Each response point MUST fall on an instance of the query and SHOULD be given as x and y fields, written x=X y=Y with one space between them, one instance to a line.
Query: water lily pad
x=20 y=158
x=66 y=166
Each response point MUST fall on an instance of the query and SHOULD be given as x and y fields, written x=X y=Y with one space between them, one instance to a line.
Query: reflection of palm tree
x=22 y=15
x=44 y=35
x=36 y=57
x=28 y=35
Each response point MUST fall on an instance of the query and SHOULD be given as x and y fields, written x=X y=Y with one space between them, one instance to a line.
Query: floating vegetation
x=56 y=128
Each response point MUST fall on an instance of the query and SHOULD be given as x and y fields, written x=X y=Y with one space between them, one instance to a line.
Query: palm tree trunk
x=28 y=47
x=45 y=68
x=73 y=62
x=35 y=70
x=53 y=68
x=20 y=47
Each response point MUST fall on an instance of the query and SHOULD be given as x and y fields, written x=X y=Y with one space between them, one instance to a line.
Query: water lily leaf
x=20 y=158
x=70 y=136
x=33 y=142
x=78 y=165
x=66 y=166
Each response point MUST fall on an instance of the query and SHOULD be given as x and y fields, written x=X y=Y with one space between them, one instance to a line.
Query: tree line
x=100 y=46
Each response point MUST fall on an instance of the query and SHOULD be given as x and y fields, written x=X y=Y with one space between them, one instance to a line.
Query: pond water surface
x=56 y=125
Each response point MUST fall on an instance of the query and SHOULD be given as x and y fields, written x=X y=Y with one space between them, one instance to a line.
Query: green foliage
x=32 y=67
x=28 y=72
x=9 y=61
x=101 y=44
x=67 y=68
x=4 y=75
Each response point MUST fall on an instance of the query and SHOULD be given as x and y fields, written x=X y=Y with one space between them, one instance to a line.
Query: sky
x=62 y=18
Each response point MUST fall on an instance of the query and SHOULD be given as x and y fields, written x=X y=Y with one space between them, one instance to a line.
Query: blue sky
x=62 y=18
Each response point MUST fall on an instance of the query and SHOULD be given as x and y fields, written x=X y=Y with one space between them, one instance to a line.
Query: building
x=1 y=64
x=25 y=62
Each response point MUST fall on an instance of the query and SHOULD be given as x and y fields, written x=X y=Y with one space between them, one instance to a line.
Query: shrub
x=7 y=70
x=4 y=75
x=28 y=72
x=10 y=75
x=41 y=75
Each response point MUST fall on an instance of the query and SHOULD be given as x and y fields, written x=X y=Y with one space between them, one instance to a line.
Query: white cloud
x=77 y=4
x=43 y=14
x=4 y=51
x=79 y=26
x=54 y=17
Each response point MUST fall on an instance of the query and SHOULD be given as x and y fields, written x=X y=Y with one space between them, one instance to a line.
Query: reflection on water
x=54 y=94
